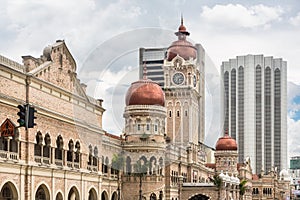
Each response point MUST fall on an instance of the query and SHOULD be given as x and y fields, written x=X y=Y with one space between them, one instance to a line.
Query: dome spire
x=181 y=20
x=182 y=32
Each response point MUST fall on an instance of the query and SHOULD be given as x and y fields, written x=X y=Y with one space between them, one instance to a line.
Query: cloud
x=293 y=121
x=239 y=16
x=293 y=101
x=295 y=20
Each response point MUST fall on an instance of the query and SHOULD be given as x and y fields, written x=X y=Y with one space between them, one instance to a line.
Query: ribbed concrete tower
x=254 y=101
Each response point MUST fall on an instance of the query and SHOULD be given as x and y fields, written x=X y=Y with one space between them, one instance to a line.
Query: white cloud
x=237 y=15
x=293 y=137
x=295 y=20
x=293 y=125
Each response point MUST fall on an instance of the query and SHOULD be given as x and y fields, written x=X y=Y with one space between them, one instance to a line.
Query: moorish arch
x=92 y=194
x=9 y=192
x=59 y=196
x=42 y=193
x=199 y=197
x=114 y=196
x=153 y=196
x=104 y=195
x=73 y=194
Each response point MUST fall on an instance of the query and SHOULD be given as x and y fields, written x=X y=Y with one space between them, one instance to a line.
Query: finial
x=144 y=71
x=181 y=19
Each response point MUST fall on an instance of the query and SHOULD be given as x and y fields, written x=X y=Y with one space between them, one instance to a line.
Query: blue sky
x=92 y=28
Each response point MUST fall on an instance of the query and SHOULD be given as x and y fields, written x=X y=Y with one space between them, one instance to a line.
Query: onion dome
x=145 y=92
x=226 y=143
x=182 y=47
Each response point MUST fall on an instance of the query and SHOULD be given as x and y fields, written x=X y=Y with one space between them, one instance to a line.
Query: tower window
x=186 y=113
x=170 y=113
x=155 y=128
x=178 y=114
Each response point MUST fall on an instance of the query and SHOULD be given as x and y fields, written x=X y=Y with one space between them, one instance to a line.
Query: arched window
x=42 y=193
x=47 y=149
x=8 y=140
x=128 y=165
x=114 y=196
x=95 y=157
x=92 y=194
x=153 y=196
x=59 y=151
x=59 y=196
x=152 y=166
x=70 y=151
x=77 y=152
x=38 y=144
x=8 y=192
x=73 y=194
x=90 y=155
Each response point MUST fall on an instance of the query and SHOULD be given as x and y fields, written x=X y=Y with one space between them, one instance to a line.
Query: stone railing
x=46 y=160
x=73 y=164
x=7 y=62
x=58 y=162
x=9 y=155
x=40 y=159
x=92 y=168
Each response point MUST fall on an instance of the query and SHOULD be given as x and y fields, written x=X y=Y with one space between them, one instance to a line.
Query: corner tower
x=184 y=90
x=144 y=145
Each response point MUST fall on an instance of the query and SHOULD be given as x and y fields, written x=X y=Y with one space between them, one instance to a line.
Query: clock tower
x=184 y=90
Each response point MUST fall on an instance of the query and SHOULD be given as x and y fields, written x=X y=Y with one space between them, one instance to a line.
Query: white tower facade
x=254 y=102
x=184 y=90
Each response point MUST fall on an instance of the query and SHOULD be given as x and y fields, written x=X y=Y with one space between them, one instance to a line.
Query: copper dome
x=145 y=92
x=183 y=48
x=226 y=143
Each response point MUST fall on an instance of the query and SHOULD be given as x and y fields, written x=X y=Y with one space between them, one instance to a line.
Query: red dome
x=145 y=92
x=226 y=143
x=183 y=48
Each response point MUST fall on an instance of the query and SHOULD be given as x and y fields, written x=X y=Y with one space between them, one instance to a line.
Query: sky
x=104 y=37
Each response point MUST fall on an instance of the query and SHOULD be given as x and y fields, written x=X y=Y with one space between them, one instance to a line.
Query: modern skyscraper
x=153 y=58
x=254 y=109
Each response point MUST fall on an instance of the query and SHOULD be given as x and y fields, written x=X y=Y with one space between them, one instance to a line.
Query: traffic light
x=31 y=117
x=22 y=115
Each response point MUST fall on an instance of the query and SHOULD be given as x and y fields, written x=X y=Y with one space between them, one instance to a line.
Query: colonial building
x=69 y=156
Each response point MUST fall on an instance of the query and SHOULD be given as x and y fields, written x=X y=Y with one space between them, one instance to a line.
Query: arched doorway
x=8 y=192
x=104 y=195
x=114 y=196
x=199 y=197
x=73 y=194
x=59 y=196
x=92 y=194
x=153 y=196
x=42 y=193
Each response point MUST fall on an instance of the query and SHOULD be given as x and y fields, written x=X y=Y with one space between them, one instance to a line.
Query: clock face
x=194 y=80
x=178 y=78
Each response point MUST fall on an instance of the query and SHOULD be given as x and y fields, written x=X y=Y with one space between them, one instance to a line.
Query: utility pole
x=27 y=181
